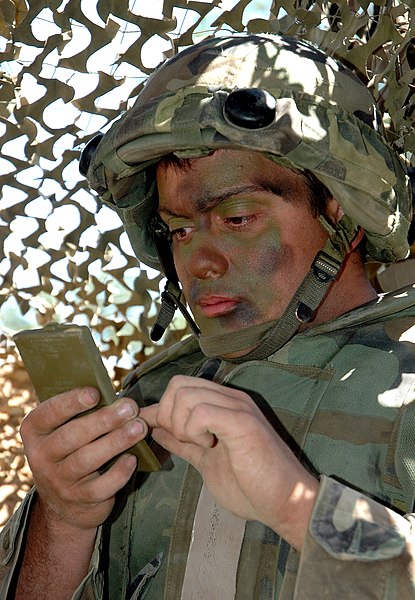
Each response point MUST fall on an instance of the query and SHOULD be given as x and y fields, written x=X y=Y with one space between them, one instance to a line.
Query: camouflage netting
x=68 y=69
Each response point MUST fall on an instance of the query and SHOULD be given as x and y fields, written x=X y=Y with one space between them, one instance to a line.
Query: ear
x=334 y=211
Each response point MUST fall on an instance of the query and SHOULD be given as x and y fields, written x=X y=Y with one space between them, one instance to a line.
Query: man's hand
x=242 y=460
x=65 y=456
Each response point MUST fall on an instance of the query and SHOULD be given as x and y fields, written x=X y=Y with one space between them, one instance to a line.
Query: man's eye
x=181 y=233
x=239 y=221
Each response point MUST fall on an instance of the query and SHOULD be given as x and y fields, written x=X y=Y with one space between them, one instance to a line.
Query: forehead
x=204 y=181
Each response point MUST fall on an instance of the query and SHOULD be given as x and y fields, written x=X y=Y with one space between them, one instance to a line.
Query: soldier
x=254 y=172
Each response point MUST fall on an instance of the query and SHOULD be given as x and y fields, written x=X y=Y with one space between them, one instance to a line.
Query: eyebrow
x=206 y=202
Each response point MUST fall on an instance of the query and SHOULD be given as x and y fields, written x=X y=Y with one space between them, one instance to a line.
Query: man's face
x=243 y=236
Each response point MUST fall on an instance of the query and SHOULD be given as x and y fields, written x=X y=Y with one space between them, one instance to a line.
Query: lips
x=216 y=306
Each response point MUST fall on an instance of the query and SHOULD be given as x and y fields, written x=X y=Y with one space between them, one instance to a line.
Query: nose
x=206 y=259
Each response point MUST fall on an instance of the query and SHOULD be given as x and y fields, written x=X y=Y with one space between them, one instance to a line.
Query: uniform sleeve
x=356 y=548
x=11 y=543
x=12 y=540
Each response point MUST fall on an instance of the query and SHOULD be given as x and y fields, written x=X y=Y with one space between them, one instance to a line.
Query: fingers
x=56 y=411
x=73 y=450
x=97 y=487
x=195 y=410
x=50 y=420
x=118 y=421
x=66 y=453
x=92 y=456
x=185 y=394
x=192 y=453
x=179 y=382
x=86 y=503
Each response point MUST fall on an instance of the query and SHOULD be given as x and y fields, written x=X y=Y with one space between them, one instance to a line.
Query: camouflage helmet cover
x=323 y=120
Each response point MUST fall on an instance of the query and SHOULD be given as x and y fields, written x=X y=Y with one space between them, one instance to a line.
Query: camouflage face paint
x=237 y=244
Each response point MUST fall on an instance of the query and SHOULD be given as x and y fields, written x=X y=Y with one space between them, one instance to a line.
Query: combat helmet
x=273 y=94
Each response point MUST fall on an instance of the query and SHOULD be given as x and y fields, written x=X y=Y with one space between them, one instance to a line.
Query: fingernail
x=126 y=410
x=129 y=460
x=89 y=397
x=136 y=427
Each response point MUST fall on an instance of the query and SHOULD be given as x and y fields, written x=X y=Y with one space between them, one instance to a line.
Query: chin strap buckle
x=343 y=239
x=325 y=267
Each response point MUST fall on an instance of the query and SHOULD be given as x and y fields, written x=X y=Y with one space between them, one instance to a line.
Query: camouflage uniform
x=344 y=395
x=341 y=393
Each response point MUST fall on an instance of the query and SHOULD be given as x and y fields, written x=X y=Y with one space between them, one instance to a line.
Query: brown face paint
x=239 y=249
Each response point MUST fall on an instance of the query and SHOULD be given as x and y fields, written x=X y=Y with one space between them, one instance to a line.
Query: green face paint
x=243 y=237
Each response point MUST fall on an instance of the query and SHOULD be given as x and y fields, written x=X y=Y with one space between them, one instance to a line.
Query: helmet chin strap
x=171 y=297
x=170 y=301
x=267 y=338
